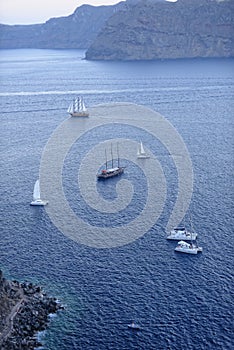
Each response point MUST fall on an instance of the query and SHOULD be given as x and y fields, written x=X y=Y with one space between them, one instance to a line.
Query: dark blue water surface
x=180 y=301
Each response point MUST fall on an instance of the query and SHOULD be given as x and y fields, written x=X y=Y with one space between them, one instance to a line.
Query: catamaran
x=110 y=172
x=141 y=152
x=189 y=248
x=181 y=233
x=36 y=195
x=77 y=108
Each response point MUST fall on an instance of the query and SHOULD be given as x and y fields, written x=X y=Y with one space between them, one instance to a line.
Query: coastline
x=24 y=311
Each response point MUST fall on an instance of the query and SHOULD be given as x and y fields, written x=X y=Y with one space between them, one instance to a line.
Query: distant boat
x=36 y=195
x=141 y=152
x=181 y=233
x=110 y=172
x=188 y=248
x=134 y=326
x=77 y=108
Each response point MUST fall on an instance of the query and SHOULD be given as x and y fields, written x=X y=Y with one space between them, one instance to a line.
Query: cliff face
x=75 y=31
x=135 y=30
x=153 y=29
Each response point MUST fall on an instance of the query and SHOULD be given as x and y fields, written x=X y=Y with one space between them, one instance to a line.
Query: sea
x=180 y=301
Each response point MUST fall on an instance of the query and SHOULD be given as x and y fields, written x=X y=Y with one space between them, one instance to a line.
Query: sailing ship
x=110 y=172
x=37 y=196
x=77 y=108
x=141 y=152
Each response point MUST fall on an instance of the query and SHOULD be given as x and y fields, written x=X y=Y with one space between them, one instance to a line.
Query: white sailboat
x=141 y=152
x=77 y=108
x=36 y=195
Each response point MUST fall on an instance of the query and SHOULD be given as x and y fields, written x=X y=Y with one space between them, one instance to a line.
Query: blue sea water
x=181 y=302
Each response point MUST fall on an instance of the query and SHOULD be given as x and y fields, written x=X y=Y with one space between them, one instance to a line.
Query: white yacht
x=36 y=195
x=181 y=234
x=141 y=152
x=188 y=248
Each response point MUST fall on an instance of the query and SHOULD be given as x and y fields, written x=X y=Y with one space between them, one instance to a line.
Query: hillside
x=164 y=30
x=76 y=31
x=134 y=30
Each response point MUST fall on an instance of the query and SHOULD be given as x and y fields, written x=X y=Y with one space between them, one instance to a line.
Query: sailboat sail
x=70 y=108
x=36 y=191
x=83 y=106
x=142 y=151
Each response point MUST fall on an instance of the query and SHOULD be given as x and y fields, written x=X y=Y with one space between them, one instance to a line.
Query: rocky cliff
x=152 y=29
x=75 y=31
x=135 y=30
x=24 y=311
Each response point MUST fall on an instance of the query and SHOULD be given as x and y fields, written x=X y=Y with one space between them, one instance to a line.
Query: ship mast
x=112 y=164
x=118 y=153
x=106 y=159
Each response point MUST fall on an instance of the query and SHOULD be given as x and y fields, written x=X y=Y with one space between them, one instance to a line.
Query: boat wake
x=115 y=91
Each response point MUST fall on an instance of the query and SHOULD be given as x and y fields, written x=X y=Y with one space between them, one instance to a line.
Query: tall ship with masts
x=113 y=171
x=77 y=108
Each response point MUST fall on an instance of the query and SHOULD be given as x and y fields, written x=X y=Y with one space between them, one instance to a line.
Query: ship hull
x=79 y=114
x=142 y=156
x=182 y=237
x=104 y=176
x=39 y=202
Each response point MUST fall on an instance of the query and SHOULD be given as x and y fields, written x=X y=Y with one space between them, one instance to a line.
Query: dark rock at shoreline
x=24 y=311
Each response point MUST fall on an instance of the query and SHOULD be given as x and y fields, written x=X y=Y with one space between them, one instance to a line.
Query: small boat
x=110 y=172
x=77 y=108
x=181 y=234
x=36 y=195
x=134 y=326
x=141 y=152
x=188 y=248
